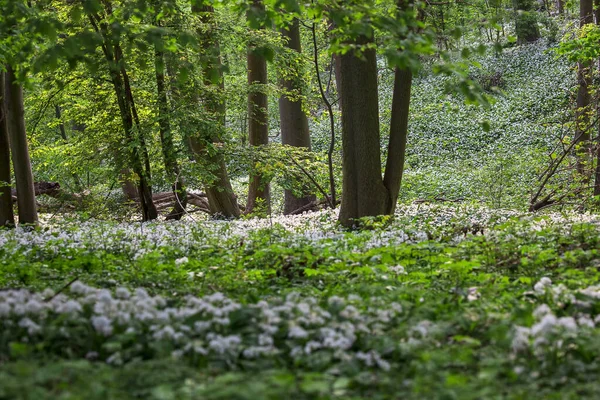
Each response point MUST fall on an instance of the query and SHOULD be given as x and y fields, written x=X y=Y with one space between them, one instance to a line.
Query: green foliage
x=433 y=291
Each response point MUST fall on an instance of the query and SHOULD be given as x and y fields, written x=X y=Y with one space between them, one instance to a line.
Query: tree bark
x=363 y=191
x=7 y=217
x=133 y=134
x=20 y=151
x=294 y=124
x=221 y=198
x=394 y=167
x=597 y=144
x=166 y=139
x=258 y=128
x=63 y=135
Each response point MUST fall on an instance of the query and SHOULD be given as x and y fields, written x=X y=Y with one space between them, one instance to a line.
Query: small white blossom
x=542 y=284
x=545 y=325
x=297 y=332
x=102 y=325
x=181 y=261
x=32 y=327
x=122 y=293
x=70 y=307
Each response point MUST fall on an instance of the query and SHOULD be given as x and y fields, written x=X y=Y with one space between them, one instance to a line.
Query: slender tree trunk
x=597 y=144
x=134 y=137
x=294 y=124
x=582 y=113
x=20 y=151
x=221 y=198
x=560 y=6
x=258 y=128
x=149 y=211
x=363 y=191
x=6 y=206
x=394 y=167
x=166 y=140
x=63 y=135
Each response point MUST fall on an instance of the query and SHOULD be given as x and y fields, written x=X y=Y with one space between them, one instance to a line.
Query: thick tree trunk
x=258 y=128
x=294 y=124
x=363 y=192
x=221 y=198
x=394 y=167
x=6 y=206
x=20 y=151
x=166 y=140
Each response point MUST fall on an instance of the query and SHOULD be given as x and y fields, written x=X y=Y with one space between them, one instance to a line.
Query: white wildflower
x=70 y=307
x=585 y=321
x=4 y=310
x=542 y=284
x=102 y=325
x=79 y=288
x=312 y=346
x=32 y=327
x=297 y=332
x=541 y=310
x=181 y=261
x=473 y=294
x=398 y=270
x=33 y=306
x=568 y=323
x=350 y=313
x=222 y=344
x=423 y=328
x=545 y=325
x=520 y=338
x=122 y=293
x=335 y=301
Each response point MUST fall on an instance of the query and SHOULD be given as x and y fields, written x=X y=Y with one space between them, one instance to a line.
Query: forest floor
x=441 y=301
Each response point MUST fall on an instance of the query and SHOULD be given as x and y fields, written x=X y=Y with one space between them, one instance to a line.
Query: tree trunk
x=20 y=151
x=128 y=186
x=597 y=144
x=6 y=206
x=166 y=139
x=63 y=135
x=394 y=167
x=149 y=211
x=133 y=135
x=363 y=191
x=294 y=124
x=221 y=198
x=258 y=128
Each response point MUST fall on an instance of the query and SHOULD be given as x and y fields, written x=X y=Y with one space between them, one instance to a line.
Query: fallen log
x=51 y=189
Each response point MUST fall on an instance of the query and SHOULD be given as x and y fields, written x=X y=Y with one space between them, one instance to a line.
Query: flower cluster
x=214 y=327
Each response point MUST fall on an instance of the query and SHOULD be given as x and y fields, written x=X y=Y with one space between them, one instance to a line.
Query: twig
x=61 y=289
x=331 y=119
x=329 y=200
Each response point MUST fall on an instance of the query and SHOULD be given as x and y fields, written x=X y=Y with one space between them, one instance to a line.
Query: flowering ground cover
x=439 y=302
